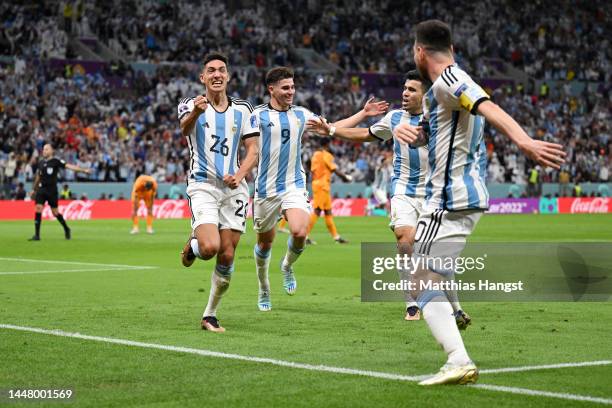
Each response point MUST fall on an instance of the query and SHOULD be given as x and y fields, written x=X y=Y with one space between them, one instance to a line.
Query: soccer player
x=281 y=181
x=322 y=166
x=45 y=188
x=409 y=170
x=455 y=108
x=215 y=125
x=145 y=188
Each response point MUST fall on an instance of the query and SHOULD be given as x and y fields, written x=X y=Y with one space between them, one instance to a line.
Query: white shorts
x=405 y=211
x=442 y=233
x=266 y=210
x=212 y=203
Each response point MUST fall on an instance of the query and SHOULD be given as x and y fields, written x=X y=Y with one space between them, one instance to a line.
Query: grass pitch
x=114 y=285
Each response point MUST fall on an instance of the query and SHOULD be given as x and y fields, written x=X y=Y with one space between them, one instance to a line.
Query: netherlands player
x=322 y=166
x=145 y=189
x=215 y=125
x=408 y=180
x=281 y=181
x=455 y=108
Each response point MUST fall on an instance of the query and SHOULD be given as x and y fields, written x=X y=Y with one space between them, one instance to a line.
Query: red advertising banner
x=586 y=205
x=96 y=209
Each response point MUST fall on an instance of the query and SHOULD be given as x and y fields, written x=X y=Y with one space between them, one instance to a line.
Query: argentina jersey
x=280 y=150
x=409 y=163
x=457 y=156
x=215 y=138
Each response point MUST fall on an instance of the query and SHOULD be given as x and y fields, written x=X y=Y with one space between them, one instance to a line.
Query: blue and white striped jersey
x=280 y=149
x=409 y=163
x=215 y=138
x=455 y=180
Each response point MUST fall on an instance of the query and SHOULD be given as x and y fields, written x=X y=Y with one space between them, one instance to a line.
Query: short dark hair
x=148 y=185
x=215 y=55
x=434 y=35
x=276 y=74
x=415 y=76
x=325 y=141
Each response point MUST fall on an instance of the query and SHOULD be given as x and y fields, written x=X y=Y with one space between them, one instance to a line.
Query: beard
x=422 y=71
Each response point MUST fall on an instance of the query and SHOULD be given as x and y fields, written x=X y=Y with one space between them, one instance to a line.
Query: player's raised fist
x=200 y=103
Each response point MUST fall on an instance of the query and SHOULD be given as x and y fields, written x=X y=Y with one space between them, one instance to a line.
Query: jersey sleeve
x=61 y=163
x=459 y=90
x=381 y=130
x=309 y=115
x=328 y=159
x=251 y=126
x=185 y=107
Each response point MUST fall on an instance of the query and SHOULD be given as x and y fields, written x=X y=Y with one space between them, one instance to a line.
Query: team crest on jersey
x=235 y=127
x=49 y=170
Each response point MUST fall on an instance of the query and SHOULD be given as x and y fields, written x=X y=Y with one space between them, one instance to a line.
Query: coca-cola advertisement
x=97 y=209
x=513 y=205
x=584 y=205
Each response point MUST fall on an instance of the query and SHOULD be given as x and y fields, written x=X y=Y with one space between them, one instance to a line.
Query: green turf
x=325 y=323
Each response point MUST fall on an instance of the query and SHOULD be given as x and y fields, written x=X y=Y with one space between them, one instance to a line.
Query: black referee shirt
x=48 y=171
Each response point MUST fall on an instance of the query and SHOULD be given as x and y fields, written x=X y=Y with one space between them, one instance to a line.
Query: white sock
x=218 y=286
x=438 y=314
x=195 y=247
x=292 y=254
x=262 y=264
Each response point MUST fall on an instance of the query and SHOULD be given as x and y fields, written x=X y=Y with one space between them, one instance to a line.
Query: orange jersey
x=139 y=186
x=322 y=166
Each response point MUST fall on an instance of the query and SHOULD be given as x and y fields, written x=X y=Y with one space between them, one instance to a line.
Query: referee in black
x=45 y=188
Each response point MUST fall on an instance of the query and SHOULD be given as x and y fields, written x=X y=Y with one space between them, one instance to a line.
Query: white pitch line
x=545 y=367
x=73 y=263
x=132 y=268
x=311 y=367
x=538 y=393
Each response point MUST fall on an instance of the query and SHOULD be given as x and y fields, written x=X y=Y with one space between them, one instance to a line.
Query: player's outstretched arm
x=321 y=127
x=371 y=108
x=246 y=165
x=345 y=177
x=545 y=153
x=200 y=104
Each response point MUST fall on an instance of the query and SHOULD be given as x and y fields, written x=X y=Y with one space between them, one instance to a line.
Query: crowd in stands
x=121 y=133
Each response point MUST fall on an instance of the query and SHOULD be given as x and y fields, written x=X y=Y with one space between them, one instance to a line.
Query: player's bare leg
x=405 y=240
x=220 y=278
x=263 y=253
x=298 y=225
x=150 y=217
x=331 y=227
x=313 y=220
x=135 y=204
x=204 y=243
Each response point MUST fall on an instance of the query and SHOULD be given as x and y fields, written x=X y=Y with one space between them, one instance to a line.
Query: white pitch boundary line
x=134 y=268
x=282 y=363
x=545 y=367
x=106 y=267
x=74 y=263
x=538 y=393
